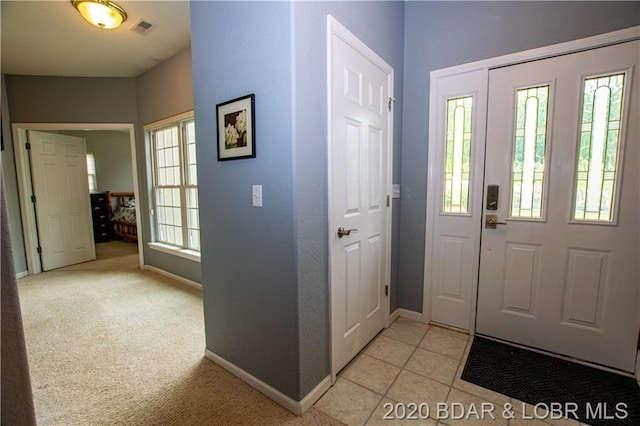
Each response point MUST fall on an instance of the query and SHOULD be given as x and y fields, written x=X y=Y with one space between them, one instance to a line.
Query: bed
x=122 y=207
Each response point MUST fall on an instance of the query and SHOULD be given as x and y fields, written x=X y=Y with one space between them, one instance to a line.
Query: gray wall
x=11 y=188
x=265 y=270
x=248 y=255
x=112 y=152
x=443 y=34
x=163 y=91
x=35 y=99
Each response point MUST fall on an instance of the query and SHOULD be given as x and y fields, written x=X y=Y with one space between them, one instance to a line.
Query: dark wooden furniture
x=124 y=224
x=100 y=216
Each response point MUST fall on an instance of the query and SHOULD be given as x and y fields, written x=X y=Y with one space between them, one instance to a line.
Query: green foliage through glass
x=457 y=158
x=528 y=167
x=599 y=144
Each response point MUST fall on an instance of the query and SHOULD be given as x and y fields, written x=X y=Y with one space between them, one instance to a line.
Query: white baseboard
x=405 y=313
x=22 y=274
x=178 y=278
x=394 y=316
x=315 y=394
x=412 y=315
x=296 y=407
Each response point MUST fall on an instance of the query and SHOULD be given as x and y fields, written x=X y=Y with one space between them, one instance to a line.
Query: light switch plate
x=395 y=190
x=257 y=195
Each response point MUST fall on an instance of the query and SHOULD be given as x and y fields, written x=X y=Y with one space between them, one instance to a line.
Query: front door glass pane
x=529 y=152
x=599 y=146
x=457 y=155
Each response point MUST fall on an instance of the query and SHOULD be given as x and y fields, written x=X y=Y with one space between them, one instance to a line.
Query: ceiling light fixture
x=101 y=13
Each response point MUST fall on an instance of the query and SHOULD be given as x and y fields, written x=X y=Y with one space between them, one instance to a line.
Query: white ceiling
x=51 y=38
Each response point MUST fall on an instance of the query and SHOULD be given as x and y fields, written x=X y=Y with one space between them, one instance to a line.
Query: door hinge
x=391 y=101
x=388 y=201
x=33 y=198
x=27 y=145
x=386 y=290
x=39 y=250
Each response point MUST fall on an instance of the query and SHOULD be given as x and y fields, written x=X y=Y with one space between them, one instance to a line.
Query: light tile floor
x=412 y=362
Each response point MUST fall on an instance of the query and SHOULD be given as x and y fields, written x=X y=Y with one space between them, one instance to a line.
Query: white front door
x=561 y=274
x=360 y=88
x=60 y=187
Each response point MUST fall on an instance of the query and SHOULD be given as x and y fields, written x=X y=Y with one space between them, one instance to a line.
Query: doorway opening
x=30 y=225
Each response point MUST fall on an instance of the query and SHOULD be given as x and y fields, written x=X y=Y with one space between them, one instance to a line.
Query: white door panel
x=452 y=263
x=59 y=170
x=360 y=183
x=550 y=281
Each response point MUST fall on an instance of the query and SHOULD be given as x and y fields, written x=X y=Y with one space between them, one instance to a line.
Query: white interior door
x=59 y=171
x=359 y=145
x=561 y=274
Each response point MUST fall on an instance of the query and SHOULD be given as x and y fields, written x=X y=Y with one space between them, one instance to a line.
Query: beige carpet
x=110 y=344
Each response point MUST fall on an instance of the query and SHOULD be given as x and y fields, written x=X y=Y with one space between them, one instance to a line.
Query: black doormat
x=583 y=393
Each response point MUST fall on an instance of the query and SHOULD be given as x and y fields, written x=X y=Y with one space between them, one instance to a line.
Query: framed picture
x=236 y=129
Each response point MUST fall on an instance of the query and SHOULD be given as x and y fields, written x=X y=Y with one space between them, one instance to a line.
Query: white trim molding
x=22 y=274
x=405 y=313
x=175 y=251
x=175 y=277
x=315 y=394
x=394 y=316
x=169 y=120
x=412 y=315
x=296 y=407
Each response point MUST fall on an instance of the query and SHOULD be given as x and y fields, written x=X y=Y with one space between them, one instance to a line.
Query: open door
x=61 y=196
x=360 y=143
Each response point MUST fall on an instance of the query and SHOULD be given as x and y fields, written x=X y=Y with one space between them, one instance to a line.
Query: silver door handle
x=342 y=232
x=491 y=221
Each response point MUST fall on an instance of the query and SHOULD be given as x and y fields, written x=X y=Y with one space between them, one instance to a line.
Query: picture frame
x=236 y=128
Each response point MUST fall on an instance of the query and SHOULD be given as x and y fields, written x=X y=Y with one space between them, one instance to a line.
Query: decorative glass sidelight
x=529 y=152
x=457 y=160
x=599 y=133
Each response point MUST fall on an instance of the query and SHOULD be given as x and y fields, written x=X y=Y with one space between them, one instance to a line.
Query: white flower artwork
x=241 y=122
x=236 y=128
x=230 y=136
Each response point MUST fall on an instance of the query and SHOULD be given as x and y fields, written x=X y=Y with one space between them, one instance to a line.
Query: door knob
x=491 y=221
x=342 y=232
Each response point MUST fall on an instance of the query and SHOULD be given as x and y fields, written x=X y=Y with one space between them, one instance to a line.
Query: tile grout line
x=454 y=380
x=402 y=368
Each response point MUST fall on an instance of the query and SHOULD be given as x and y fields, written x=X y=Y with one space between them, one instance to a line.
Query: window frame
x=91 y=172
x=181 y=121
